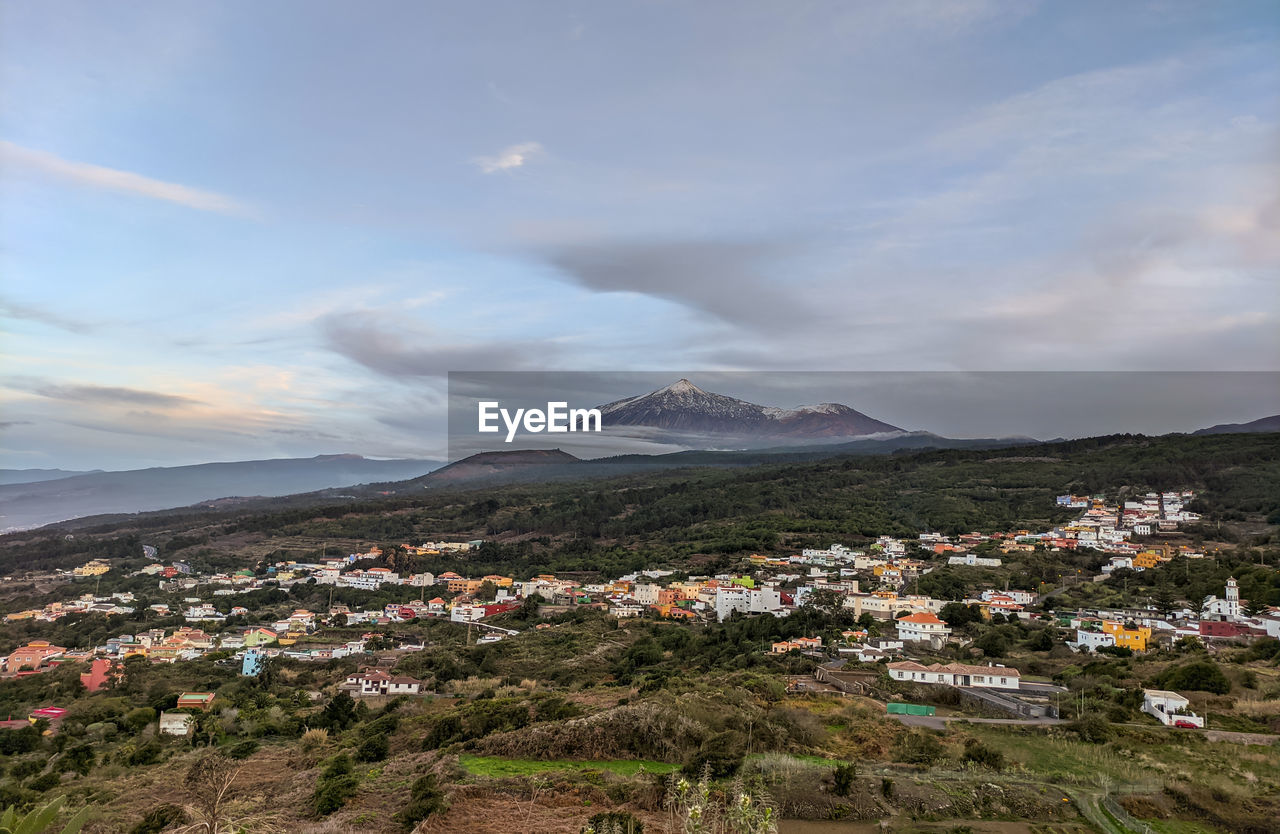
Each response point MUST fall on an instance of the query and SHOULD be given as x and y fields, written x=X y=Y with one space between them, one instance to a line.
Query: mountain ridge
x=684 y=407
x=138 y=490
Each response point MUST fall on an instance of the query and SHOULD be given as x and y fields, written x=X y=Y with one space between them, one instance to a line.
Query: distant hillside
x=496 y=465
x=32 y=476
x=32 y=504
x=1262 y=424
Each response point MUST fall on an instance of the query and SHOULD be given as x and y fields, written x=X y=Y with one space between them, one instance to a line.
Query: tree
x=487 y=591
x=992 y=643
x=1200 y=676
x=208 y=784
x=339 y=713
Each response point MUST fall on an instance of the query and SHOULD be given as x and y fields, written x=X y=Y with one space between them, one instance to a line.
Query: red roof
x=921 y=617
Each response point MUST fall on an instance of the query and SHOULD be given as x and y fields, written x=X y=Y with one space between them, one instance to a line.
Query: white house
x=466 y=613
x=646 y=593
x=1169 y=708
x=956 y=674
x=176 y=723
x=376 y=682
x=973 y=560
x=923 y=626
x=1091 y=640
x=747 y=600
x=1019 y=597
x=624 y=609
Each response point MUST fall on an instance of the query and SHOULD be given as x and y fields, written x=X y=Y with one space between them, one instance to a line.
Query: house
x=1169 y=708
x=956 y=674
x=923 y=626
x=1087 y=640
x=97 y=567
x=865 y=653
x=802 y=644
x=371 y=682
x=98 y=675
x=195 y=700
x=973 y=560
x=1127 y=638
x=33 y=655
x=259 y=636
x=176 y=724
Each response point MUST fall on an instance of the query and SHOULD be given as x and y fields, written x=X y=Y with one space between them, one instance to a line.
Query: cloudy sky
x=244 y=230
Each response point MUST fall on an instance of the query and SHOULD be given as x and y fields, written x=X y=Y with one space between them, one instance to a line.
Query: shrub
x=159 y=818
x=26 y=767
x=980 y=754
x=918 y=747
x=1200 y=675
x=722 y=754
x=314 y=739
x=619 y=821
x=335 y=786
x=425 y=799
x=243 y=750
x=46 y=781
x=144 y=754
x=373 y=749
x=1092 y=729
x=843 y=776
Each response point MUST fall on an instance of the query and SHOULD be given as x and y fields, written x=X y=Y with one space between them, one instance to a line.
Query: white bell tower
x=1233 y=598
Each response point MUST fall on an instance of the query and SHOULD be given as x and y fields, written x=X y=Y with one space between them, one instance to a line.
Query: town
x=874 y=584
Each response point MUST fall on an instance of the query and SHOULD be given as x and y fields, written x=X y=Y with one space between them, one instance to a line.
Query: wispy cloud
x=127 y=182
x=103 y=394
x=508 y=158
x=25 y=312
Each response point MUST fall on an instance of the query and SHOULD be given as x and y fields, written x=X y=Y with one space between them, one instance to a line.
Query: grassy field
x=497 y=767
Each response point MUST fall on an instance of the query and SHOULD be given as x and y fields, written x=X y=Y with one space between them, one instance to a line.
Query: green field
x=497 y=767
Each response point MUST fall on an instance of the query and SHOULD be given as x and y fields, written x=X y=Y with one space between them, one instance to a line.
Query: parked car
x=1186 y=725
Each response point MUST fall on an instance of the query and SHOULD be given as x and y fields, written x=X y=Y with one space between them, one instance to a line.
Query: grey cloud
x=112 y=395
x=8 y=424
x=735 y=281
x=25 y=312
x=371 y=341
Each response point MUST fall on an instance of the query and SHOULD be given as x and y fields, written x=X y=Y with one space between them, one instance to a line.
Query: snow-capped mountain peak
x=683 y=406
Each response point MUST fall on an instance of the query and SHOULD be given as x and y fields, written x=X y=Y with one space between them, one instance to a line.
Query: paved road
x=939 y=722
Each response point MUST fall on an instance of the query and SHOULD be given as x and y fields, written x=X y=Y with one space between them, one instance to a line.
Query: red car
x=1186 y=725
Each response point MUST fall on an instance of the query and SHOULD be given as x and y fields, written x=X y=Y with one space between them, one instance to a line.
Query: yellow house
x=1146 y=559
x=1128 y=638
x=93 y=568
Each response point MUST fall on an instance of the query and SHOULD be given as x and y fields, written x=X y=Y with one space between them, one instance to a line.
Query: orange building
x=33 y=655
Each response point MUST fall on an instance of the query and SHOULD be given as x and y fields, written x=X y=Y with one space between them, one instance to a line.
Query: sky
x=243 y=230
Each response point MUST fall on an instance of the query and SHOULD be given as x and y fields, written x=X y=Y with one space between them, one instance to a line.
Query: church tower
x=1233 y=598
